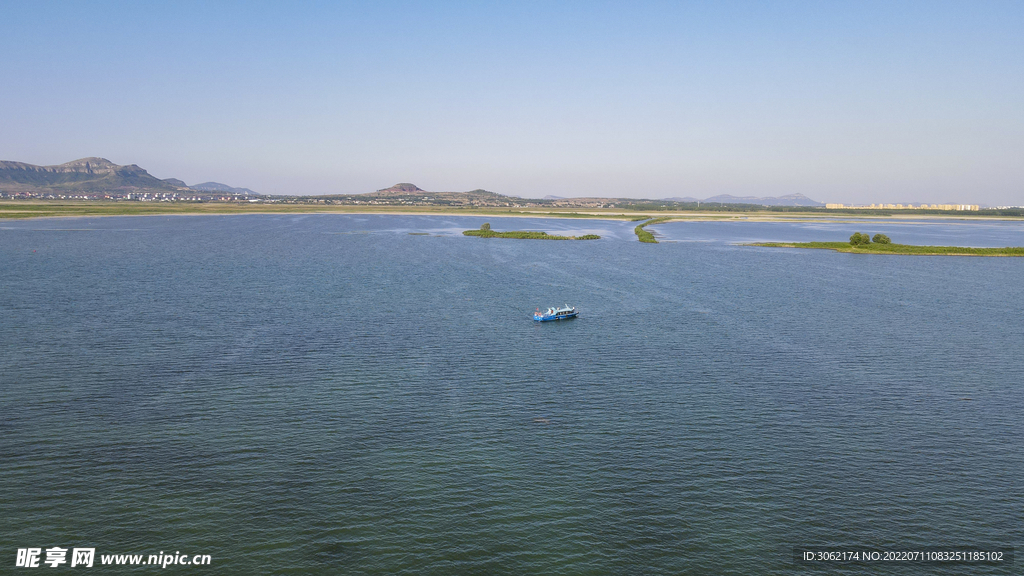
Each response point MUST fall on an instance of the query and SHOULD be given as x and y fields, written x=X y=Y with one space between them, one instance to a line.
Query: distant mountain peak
x=402 y=187
x=92 y=160
x=787 y=200
x=94 y=175
x=218 y=187
x=85 y=174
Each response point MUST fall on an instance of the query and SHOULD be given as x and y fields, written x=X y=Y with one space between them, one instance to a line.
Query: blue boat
x=550 y=314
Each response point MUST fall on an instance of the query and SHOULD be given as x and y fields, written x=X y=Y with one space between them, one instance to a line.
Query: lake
x=296 y=394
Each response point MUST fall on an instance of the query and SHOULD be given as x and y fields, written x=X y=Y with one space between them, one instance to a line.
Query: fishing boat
x=563 y=313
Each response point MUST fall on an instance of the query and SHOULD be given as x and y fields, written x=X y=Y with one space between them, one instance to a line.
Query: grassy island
x=908 y=249
x=644 y=235
x=486 y=232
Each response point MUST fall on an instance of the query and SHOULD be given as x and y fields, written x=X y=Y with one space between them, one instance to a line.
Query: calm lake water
x=346 y=395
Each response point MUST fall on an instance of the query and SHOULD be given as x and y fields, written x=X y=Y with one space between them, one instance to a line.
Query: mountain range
x=99 y=175
x=94 y=175
x=411 y=191
x=218 y=187
x=787 y=200
x=407 y=193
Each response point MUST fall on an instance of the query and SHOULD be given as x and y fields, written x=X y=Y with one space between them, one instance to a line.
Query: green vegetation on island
x=859 y=239
x=881 y=244
x=486 y=232
x=644 y=235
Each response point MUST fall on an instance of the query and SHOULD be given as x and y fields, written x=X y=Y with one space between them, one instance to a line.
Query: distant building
x=952 y=207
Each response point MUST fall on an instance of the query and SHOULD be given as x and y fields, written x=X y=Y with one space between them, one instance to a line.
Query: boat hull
x=553 y=317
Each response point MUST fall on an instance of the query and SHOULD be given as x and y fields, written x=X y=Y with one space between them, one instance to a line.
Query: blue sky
x=840 y=101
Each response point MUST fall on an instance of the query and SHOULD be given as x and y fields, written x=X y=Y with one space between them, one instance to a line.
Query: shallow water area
x=344 y=394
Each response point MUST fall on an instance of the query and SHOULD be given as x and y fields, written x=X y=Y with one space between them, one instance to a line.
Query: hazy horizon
x=841 y=102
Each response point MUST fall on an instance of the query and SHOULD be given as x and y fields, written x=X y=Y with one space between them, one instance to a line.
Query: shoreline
x=36 y=210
